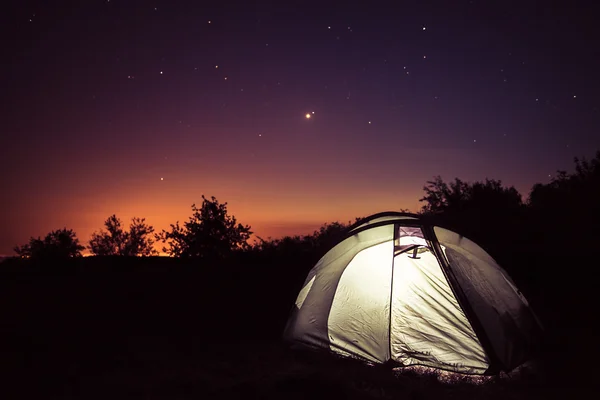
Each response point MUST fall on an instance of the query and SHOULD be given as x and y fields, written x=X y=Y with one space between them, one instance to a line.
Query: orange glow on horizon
x=295 y=198
x=270 y=214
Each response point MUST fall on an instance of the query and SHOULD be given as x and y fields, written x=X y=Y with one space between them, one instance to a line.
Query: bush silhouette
x=58 y=244
x=315 y=244
x=117 y=242
x=578 y=192
x=569 y=203
x=209 y=233
x=487 y=212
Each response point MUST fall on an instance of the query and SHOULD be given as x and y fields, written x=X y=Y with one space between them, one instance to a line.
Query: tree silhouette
x=461 y=197
x=579 y=192
x=306 y=247
x=116 y=241
x=140 y=238
x=328 y=235
x=569 y=203
x=58 y=244
x=209 y=233
x=486 y=212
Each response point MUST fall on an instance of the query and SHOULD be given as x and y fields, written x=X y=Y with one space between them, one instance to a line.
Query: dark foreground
x=165 y=329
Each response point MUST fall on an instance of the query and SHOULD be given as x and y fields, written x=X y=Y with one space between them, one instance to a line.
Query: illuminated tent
x=400 y=289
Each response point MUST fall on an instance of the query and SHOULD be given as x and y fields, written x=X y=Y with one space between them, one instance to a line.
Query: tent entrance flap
x=428 y=325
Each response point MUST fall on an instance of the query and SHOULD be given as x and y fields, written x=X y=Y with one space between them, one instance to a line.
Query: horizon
x=268 y=229
x=294 y=115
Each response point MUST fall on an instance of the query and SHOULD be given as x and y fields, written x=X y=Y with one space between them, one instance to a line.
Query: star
x=225 y=78
x=260 y=135
x=162 y=179
x=369 y=122
x=424 y=28
x=161 y=72
x=216 y=66
x=308 y=115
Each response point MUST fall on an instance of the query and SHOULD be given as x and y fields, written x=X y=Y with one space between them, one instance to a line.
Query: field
x=161 y=328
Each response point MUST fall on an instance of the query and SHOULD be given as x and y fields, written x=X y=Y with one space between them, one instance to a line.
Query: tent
x=399 y=289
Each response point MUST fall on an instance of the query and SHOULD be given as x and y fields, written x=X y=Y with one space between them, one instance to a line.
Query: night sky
x=140 y=107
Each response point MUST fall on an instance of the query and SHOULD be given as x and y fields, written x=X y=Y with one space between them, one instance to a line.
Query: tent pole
x=395 y=235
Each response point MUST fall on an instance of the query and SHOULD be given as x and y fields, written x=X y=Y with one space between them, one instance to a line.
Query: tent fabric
x=384 y=294
x=360 y=312
x=385 y=218
x=428 y=325
x=500 y=307
x=308 y=324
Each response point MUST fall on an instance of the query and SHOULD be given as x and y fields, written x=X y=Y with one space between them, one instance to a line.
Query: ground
x=155 y=331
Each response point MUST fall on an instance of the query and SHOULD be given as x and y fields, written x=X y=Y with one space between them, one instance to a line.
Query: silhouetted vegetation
x=567 y=210
x=477 y=198
x=58 y=244
x=487 y=212
x=177 y=328
x=315 y=244
x=115 y=241
x=209 y=233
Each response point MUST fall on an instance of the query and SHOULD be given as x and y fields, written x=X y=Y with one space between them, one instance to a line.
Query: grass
x=162 y=329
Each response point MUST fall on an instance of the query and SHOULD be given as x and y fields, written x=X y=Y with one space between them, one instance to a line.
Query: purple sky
x=139 y=107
